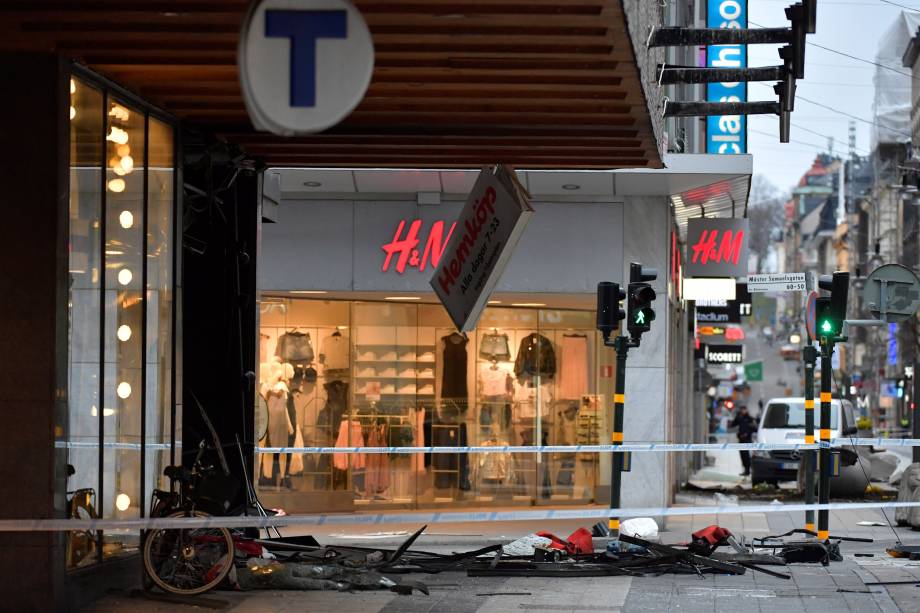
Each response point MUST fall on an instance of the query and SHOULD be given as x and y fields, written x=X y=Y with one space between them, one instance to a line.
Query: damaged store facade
x=171 y=252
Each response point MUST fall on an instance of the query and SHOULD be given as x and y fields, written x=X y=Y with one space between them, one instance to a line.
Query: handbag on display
x=297 y=458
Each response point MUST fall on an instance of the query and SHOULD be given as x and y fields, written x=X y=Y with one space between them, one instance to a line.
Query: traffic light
x=826 y=323
x=830 y=312
x=609 y=309
x=640 y=311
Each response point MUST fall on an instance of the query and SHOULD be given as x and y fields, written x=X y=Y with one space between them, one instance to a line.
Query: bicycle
x=188 y=561
x=81 y=504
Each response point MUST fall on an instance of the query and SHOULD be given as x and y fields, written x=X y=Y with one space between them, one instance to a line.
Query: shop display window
x=119 y=434
x=398 y=375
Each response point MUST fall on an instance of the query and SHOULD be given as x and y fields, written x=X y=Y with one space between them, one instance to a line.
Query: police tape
x=343 y=519
x=631 y=447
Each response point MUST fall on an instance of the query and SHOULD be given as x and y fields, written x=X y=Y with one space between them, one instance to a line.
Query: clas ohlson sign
x=726 y=134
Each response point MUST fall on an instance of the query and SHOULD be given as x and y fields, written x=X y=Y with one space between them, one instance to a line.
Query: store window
x=119 y=433
x=349 y=374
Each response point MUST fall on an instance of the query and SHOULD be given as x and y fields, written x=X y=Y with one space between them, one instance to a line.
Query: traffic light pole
x=622 y=345
x=809 y=354
x=824 y=463
x=914 y=404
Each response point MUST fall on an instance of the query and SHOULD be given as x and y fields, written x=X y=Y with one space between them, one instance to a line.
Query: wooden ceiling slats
x=543 y=83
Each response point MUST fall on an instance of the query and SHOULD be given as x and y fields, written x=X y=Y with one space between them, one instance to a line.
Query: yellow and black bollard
x=809 y=355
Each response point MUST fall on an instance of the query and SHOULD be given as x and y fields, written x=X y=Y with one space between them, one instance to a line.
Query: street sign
x=777 y=282
x=810 y=314
x=488 y=228
x=892 y=293
x=753 y=371
x=304 y=65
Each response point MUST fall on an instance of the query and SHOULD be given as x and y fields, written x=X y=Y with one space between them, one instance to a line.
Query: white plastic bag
x=644 y=528
x=526 y=545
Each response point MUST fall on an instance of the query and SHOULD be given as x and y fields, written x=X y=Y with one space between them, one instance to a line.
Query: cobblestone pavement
x=838 y=587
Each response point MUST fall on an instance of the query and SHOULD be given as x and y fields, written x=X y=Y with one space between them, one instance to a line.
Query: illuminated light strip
x=810 y=527
x=614 y=524
x=809 y=439
x=596 y=513
x=121 y=446
x=616 y=437
x=619 y=398
x=825 y=396
x=822 y=535
x=825 y=434
x=810 y=404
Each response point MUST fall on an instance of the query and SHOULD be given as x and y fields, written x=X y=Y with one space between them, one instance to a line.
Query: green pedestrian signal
x=640 y=297
x=826 y=326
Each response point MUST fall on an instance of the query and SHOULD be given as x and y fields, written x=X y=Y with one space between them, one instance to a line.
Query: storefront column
x=646 y=240
x=33 y=324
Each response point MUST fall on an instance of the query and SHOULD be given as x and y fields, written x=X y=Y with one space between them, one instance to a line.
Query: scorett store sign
x=304 y=64
x=488 y=228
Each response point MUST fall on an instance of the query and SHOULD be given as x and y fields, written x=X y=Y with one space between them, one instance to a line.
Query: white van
x=783 y=421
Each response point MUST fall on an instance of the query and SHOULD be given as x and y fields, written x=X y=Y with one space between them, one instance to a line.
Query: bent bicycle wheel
x=188 y=561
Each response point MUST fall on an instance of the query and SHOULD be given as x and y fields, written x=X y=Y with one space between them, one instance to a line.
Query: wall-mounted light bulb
x=73 y=112
x=126 y=219
x=116 y=185
x=118 y=170
x=73 y=86
x=123 y=390
x=119 y=112
x=125 y=276
x=123 y=150
x=122 y=502
x=123 y=333
x=117 y=136
x=127 y=163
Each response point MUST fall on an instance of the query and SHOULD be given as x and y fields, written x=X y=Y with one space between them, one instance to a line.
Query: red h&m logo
x=729 y=248
x=405 y=246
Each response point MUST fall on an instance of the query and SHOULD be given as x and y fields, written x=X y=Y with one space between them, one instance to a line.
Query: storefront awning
x=699 y=185
x=456 y=83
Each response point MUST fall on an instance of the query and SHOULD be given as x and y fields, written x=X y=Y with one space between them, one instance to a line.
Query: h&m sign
x=716 y=247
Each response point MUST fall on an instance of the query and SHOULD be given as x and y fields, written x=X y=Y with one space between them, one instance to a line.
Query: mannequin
x=274 y=388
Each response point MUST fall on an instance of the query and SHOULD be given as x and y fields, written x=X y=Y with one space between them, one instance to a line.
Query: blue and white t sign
x=726 y=133
x=304 y=64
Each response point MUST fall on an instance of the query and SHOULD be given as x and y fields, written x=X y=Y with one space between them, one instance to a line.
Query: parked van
x=783 y=421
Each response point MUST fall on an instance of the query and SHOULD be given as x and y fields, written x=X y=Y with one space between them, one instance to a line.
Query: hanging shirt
x=334 y=352
x=494 y=381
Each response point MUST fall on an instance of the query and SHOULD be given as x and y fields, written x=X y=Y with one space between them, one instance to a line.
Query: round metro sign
x=304 y=64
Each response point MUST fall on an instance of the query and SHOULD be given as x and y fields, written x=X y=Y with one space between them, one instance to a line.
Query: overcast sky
x=851 y=26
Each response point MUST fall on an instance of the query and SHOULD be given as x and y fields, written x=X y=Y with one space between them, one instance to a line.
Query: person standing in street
x=746 y=428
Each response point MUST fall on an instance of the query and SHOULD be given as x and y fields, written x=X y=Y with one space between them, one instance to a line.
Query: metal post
x=914 y=415
x=809 y=354
x=824 y=464
x=621 y=344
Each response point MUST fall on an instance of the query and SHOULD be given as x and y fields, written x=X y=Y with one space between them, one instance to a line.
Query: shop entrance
x=389 y=373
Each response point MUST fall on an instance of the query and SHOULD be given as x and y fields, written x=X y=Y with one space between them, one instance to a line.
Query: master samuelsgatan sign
x=480 y=245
